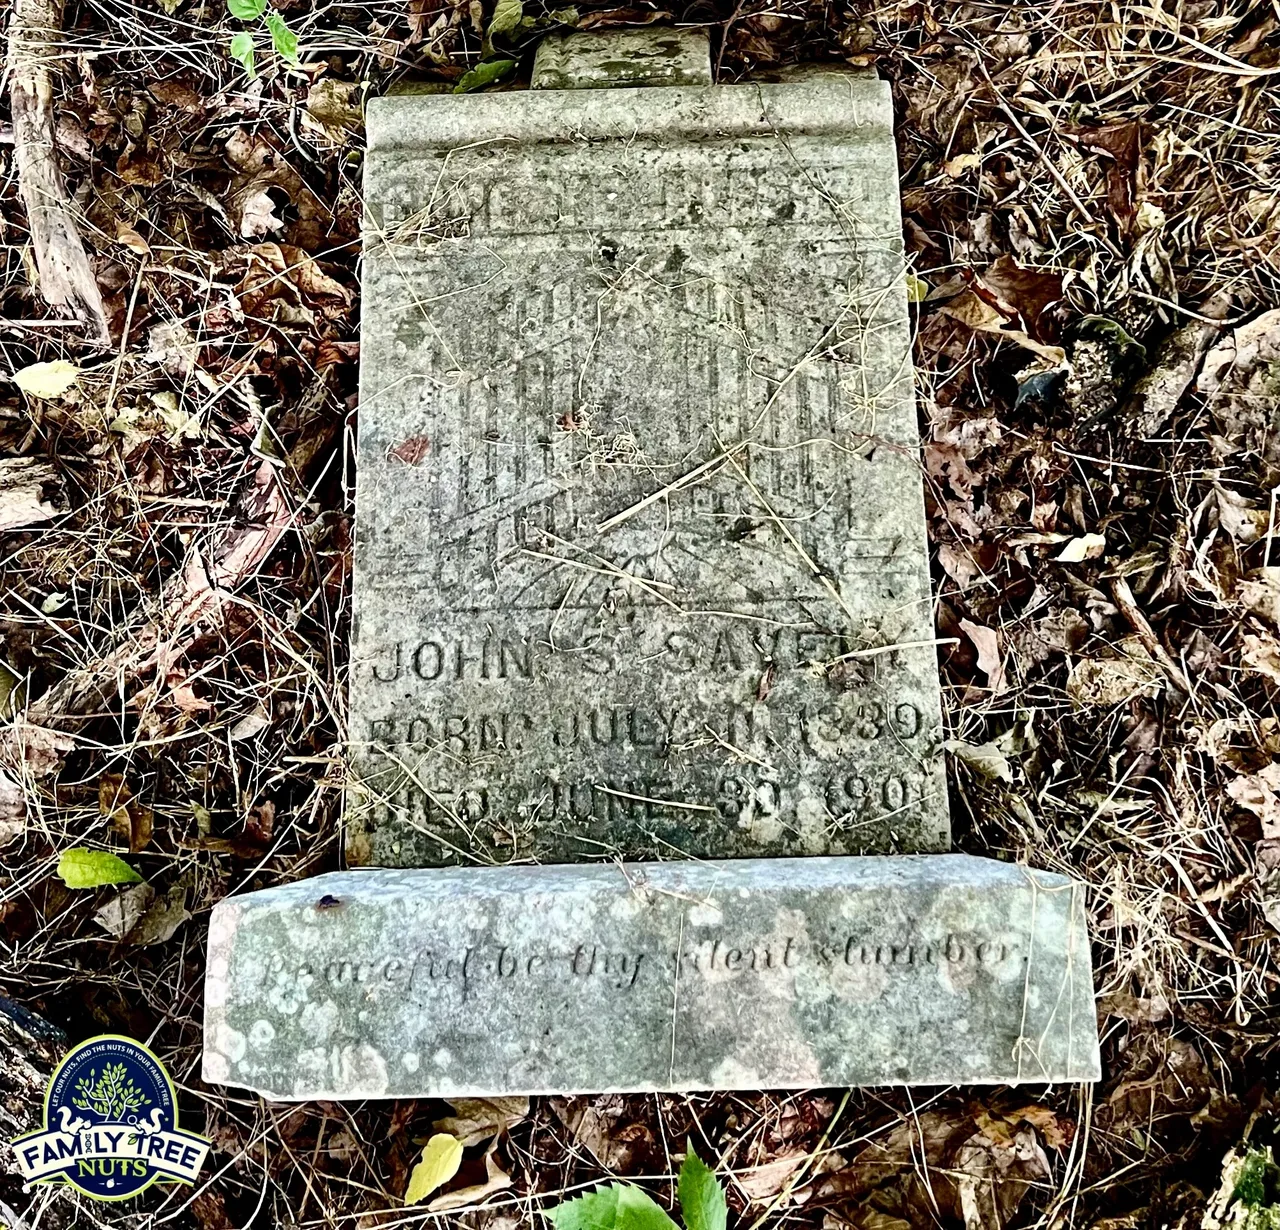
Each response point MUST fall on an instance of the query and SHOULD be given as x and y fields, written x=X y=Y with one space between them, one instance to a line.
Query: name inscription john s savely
x=733 y=974
x=640 y=562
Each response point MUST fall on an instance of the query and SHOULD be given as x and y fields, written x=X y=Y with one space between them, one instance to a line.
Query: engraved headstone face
x=640 y=562
x=766 y=973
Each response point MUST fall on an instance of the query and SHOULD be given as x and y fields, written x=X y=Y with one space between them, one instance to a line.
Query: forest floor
x=1092 y=207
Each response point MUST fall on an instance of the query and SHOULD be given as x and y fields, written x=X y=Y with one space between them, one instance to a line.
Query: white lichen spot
x=360 y=1072
x=217 y=986
x=216 y=1068
x=317 y=1021
x=310 y=1071
x=442 y=1058
x=708 y=913
x=231 y=1042
x=261 y=1034
x=410 y=1061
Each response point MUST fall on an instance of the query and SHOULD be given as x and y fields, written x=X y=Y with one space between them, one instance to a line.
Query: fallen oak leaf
x=985 y=759
x=1085 y=547
x=126 y=816
x=990 y=660
x=973 y=311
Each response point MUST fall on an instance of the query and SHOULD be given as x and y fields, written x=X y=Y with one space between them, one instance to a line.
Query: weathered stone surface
x=669 y=976
x=652 y=55
x=640 y=564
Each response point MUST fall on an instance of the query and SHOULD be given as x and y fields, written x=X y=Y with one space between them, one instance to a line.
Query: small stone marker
x=653 y=55
x=763 y=973
x=640 y=565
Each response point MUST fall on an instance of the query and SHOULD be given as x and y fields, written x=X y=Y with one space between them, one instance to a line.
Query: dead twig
x=1128 y=605
x=162 y=633
x=66 y=278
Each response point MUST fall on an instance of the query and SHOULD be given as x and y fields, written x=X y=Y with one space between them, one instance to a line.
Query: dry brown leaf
x=1248 y=346
x=28 y=748
x=1260 y=793
x=604 y=1126
x=496 y=1180
x=764 y=1182
x=29 y=492
x=990 y=660
x=161 y=919
x=1261 y=594
x=476 y=1119
x=126 y=816
x=129 y=238
x=970 y=309
x=13 y=810
x=335 y=106
x=121 y=914
x=1028 y=292
x=947 y=464
x=1261 y=654
x=1117 y=676
x=1240 y=520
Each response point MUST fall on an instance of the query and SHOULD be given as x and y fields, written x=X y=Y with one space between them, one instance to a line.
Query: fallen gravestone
x=640 y=561
x=640 y=573
x=761 y=973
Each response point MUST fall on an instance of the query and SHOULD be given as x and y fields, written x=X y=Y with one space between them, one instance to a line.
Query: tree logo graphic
x=112 y=1096
x=111 y=1124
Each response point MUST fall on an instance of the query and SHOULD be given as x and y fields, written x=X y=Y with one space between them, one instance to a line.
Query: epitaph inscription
x=640 y=563
x=735 y=974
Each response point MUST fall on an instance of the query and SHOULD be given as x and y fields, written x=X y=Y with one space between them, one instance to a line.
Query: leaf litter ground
x=1092 y=209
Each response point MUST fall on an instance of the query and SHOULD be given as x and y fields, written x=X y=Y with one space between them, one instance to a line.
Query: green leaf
x=441 y=1157
x=506 y=17
x=485 y=73
x=242 y=49
x=283 y=39
x=917 y=288
x=81 y=868
x=565 y=17
x=246 y=10
x=1113 y=330
x=702 y=1199
x=618 y=1207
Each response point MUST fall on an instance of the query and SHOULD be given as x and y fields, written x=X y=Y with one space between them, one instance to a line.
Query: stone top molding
x=827 y=105
x=744 y=974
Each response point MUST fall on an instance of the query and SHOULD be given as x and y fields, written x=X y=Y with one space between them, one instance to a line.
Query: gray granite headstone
x=763 y=973
x=640 y=563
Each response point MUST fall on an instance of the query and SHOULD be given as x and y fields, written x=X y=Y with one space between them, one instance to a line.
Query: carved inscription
x=660 y=584
x=482 y=966
x=653 y=729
